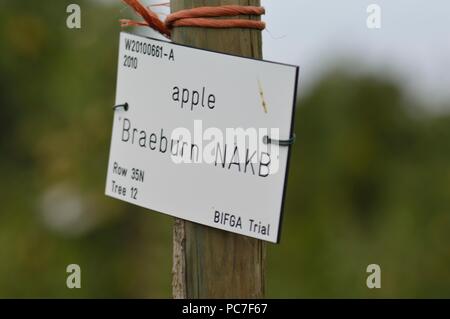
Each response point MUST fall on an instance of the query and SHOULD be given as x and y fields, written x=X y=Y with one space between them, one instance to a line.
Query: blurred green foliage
x=369 y=179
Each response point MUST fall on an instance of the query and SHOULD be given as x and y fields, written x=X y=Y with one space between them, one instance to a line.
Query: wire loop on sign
x=203 y=17
x=125 y=106
x=268 y=140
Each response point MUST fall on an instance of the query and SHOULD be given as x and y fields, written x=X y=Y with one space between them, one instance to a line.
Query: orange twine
x=196 y=17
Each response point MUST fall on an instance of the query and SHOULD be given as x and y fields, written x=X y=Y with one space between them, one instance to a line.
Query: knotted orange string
x=197 y=17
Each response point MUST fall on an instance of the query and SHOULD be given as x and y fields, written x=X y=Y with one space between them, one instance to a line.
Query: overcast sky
x=412 y=45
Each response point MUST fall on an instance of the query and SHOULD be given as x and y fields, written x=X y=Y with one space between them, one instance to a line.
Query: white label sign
x=197 y=136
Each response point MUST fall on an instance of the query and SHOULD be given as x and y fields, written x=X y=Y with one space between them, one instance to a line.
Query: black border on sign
x=291 y=134
x=291 y=130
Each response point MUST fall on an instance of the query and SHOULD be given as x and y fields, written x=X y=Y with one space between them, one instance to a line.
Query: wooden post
x=207 y=262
